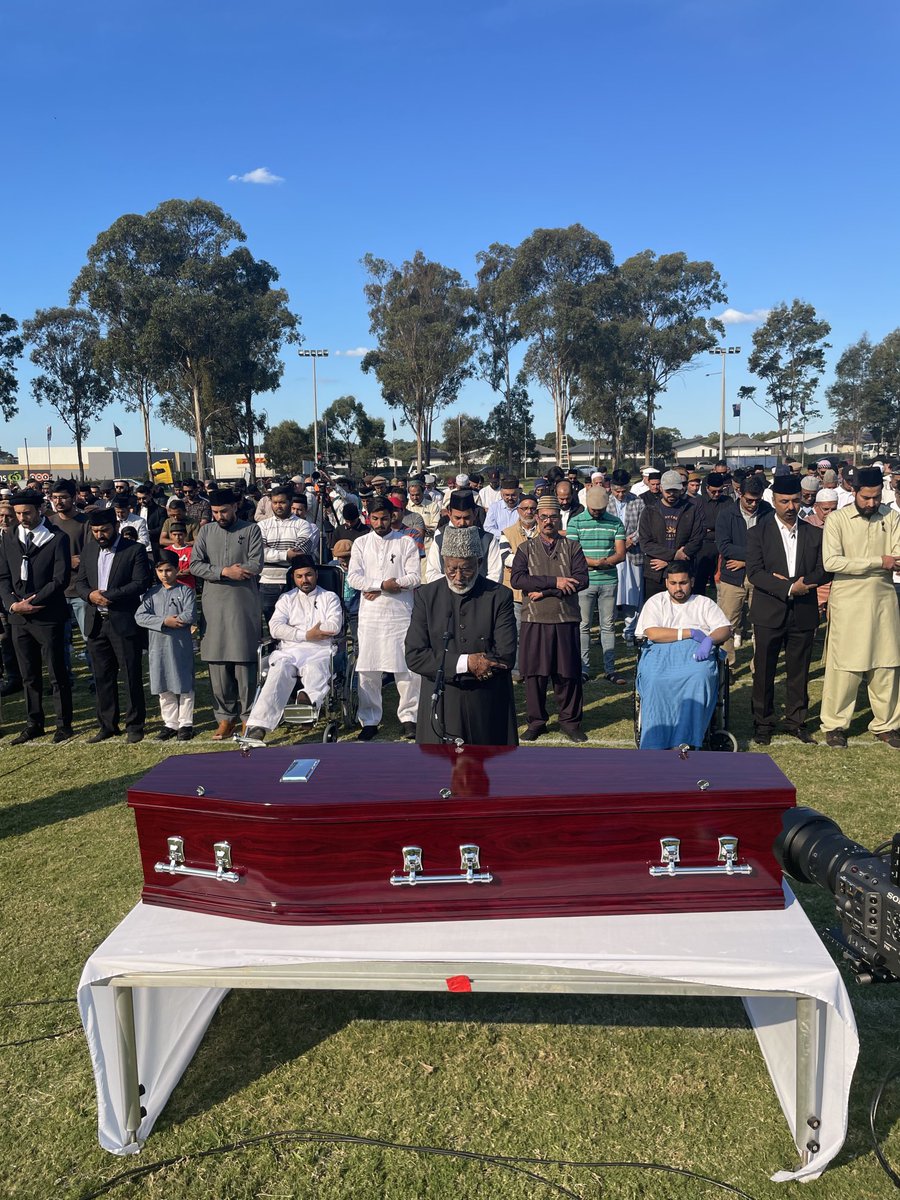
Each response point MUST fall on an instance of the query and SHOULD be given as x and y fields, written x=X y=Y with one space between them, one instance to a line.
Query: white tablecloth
x=751 y=951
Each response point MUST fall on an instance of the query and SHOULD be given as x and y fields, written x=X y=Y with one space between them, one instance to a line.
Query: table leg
x=123 y=999
x=806 y=1116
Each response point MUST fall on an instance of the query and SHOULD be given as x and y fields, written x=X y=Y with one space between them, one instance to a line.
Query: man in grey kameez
x=228 y=557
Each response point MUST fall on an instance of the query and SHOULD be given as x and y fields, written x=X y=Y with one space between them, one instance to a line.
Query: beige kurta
x=863 y=616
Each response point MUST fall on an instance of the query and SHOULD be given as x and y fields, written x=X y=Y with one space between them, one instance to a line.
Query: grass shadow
x=257 y=1032
x=25 y=817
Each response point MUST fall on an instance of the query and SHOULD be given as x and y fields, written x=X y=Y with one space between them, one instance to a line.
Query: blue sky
x=757 y=134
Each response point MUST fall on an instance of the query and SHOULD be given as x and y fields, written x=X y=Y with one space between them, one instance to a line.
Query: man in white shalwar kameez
x=306 y=621
x=384 y=568
x=861 y=546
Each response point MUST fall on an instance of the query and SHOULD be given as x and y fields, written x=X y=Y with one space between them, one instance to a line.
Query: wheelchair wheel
x=349 y=694
x=724 y=740
x=637 y=718
x=330 y=733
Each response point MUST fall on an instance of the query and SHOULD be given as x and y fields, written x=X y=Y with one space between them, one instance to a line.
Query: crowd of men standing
x=469 y=588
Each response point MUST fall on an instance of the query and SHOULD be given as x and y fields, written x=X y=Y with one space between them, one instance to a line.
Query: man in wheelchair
x=678 y=670
x=306 y=621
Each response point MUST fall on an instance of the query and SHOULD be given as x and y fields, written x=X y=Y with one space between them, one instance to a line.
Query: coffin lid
x=399 y=781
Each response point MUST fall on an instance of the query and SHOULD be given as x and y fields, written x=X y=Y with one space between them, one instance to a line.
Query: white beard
x=461 y=589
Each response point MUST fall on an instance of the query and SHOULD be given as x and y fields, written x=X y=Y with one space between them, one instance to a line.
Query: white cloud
x=260 y=175
x=734 y=316
x=359 y=352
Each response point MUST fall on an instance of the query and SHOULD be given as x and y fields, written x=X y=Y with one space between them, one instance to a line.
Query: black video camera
x=866 y=889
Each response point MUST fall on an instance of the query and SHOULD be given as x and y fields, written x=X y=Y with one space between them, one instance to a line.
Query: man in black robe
x=464 y=624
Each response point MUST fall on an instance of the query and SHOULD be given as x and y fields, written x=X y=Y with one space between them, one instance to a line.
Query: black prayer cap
x=29 y=497
x=167 y=558
x=786 y=485
x=102 y=516
x=867 y=477
x=461 y=501
x=219 y=496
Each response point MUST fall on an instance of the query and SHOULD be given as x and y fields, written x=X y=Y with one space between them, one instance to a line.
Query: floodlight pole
x=314 y=354
x=723 y=352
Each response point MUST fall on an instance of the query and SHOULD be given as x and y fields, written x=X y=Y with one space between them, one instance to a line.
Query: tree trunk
x=648 y=444
x=251 y=443
x=144 y=402
x=78 y=441
x=199 y=433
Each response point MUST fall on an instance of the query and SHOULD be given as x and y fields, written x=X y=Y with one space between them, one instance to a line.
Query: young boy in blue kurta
x=167 y=612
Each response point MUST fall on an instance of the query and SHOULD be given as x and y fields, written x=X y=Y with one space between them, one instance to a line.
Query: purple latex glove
x=697 y=634
x=703 y=651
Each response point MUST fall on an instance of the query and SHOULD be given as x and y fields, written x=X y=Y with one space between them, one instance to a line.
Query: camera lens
x=811 y=847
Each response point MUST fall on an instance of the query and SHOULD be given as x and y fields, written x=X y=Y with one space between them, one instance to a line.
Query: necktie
x=29 y=542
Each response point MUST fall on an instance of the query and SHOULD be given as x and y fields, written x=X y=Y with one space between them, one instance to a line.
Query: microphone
x=441 y=674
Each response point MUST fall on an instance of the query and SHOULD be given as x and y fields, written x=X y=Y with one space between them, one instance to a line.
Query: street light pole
x=314 y=354
x=723 y=352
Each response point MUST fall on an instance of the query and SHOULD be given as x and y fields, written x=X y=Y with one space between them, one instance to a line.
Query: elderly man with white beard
x=463 y=632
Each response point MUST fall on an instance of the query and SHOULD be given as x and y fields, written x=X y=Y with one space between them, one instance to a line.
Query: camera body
x=865 y=886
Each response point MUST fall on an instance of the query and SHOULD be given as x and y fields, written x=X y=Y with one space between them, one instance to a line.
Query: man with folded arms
x=861 y=547
x=550 y=570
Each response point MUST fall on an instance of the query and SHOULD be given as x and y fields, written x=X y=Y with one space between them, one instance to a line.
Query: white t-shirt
x=697 y=612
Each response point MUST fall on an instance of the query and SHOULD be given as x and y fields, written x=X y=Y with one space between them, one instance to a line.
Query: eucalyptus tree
x=667 y=297
x=499 y=332
x=71 y=376
x=421 y=315
x=11 y=347
x=554 y=283
x=788 y=356
x=850 y=395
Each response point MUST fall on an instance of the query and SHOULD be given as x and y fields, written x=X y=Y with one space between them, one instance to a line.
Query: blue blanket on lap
x=678 y=695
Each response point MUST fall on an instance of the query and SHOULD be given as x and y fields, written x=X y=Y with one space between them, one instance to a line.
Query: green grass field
x=676 y=1081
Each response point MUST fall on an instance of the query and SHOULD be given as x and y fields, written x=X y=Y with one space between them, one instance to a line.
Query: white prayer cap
x=878 y=464
x=647 y=470
x=430 y=479
x=827 y=495
x=596 y=475
x=462 y=481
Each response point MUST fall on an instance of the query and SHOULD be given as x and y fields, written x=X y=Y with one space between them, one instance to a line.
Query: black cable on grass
x=506 y=1162
x=36 y=1003
x=894 y=1176
x=44 y=1037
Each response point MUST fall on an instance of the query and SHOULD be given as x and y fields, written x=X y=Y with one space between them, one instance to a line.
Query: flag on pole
x=735 y=410
x=117 y=432
x=393 y=425
x=49 y=432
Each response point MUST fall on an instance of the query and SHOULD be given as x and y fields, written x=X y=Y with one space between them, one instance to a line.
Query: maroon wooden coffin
x=367 y=833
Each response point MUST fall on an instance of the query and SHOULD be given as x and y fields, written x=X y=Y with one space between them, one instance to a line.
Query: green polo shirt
x=597 y=540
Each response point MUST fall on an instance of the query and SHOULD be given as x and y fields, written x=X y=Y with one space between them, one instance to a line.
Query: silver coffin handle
x=469 y=866
x=670 y=853
x=221 y=873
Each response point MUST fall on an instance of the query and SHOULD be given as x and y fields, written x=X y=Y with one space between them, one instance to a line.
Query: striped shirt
x=281 y=534
x=598 y=540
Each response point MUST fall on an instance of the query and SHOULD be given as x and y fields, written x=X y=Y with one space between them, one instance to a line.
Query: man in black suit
x=35 y=566
x=784 y=567
x=152 y=512
x=112 y=575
